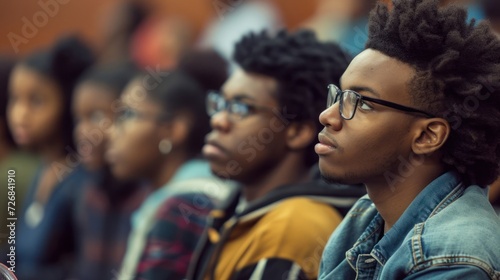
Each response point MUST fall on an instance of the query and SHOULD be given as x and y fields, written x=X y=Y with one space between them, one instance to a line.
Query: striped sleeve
x=272 y=268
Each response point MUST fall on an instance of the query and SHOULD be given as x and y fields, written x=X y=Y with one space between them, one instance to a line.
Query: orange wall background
x=89 y=16
x=77 y=15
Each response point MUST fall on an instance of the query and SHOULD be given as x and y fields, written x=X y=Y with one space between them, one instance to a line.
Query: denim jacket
x=449 y=231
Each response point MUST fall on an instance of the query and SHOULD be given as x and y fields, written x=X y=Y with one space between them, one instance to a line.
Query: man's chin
x=345 y=179
x=221 y=174
x=332 y=179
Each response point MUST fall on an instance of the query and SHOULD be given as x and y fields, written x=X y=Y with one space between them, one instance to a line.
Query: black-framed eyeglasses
x=351 y=100
x=235 y=108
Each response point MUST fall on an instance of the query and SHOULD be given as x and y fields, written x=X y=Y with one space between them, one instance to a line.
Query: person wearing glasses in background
x=157 y=138
x=402 y=123
x=264 y=126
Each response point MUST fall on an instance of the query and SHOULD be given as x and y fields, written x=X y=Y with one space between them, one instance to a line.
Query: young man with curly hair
x=264 y=127
x=416 y=119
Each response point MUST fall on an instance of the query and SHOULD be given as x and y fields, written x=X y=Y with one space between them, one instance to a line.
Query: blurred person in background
x=346 y=21
x=264 y=125
x=136 y=31
x=492 y=13
x=235 y=19
x=39 y=117
x=11 y=158
x=342 y=21
x=160 y=42
x=157 y=139
x=475 y=9
x=119 y=29
x=160 y=259
x=104 y=208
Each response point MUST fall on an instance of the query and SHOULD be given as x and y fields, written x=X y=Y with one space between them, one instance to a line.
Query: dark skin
x=495 y=24
x=372 y=144
x=34 y=115
x=93 y=113
x=238 y=149
x=133 y=151
x=494 y=193
x=5 y=147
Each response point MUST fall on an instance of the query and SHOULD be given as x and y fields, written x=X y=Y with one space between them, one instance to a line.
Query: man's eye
x=126 y=114
x=239 y=109
x=365 y=106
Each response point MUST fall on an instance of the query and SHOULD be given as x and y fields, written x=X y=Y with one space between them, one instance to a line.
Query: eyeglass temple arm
x=396 y=106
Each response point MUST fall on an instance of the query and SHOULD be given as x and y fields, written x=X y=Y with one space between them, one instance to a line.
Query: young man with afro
x=264 y=127
x=416 y=119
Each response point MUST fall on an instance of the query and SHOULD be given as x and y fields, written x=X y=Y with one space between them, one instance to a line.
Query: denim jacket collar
x=440 y=192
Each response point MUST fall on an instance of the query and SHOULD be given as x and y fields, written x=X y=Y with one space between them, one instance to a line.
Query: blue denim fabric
x=449 y=231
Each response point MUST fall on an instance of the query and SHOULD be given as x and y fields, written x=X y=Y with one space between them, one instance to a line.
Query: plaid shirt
x=103 y=226
x=180 y=222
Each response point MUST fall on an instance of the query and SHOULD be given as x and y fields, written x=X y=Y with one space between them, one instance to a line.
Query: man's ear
x=299 y=135
x=430 y=135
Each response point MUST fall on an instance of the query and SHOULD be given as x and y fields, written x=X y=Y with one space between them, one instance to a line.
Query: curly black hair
x=457 y=77
x=302 y=66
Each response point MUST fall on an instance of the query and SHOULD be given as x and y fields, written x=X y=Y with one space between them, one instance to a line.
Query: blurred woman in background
x=10 y=157
x=162 y=256
x=40 y=120
x=158 y=139
x=104 y=208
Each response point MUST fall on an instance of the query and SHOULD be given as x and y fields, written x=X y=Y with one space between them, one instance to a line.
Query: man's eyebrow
x=365 y=89
x=240 y=96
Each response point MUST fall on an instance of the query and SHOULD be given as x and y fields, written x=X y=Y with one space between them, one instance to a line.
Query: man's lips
x=212 y=149
x=325 y=145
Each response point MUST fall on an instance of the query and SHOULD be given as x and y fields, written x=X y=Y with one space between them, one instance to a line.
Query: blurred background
x=148 y=29
x=96 y=20
x=106 y=23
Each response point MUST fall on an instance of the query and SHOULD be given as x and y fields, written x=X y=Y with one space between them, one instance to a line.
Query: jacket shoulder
x=466 y=229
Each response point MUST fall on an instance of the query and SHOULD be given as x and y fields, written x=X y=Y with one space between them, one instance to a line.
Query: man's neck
x=289 y=171
x=392 y=198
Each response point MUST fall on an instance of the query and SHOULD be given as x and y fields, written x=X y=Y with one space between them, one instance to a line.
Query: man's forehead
x=377 y=67
x=256 y=86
